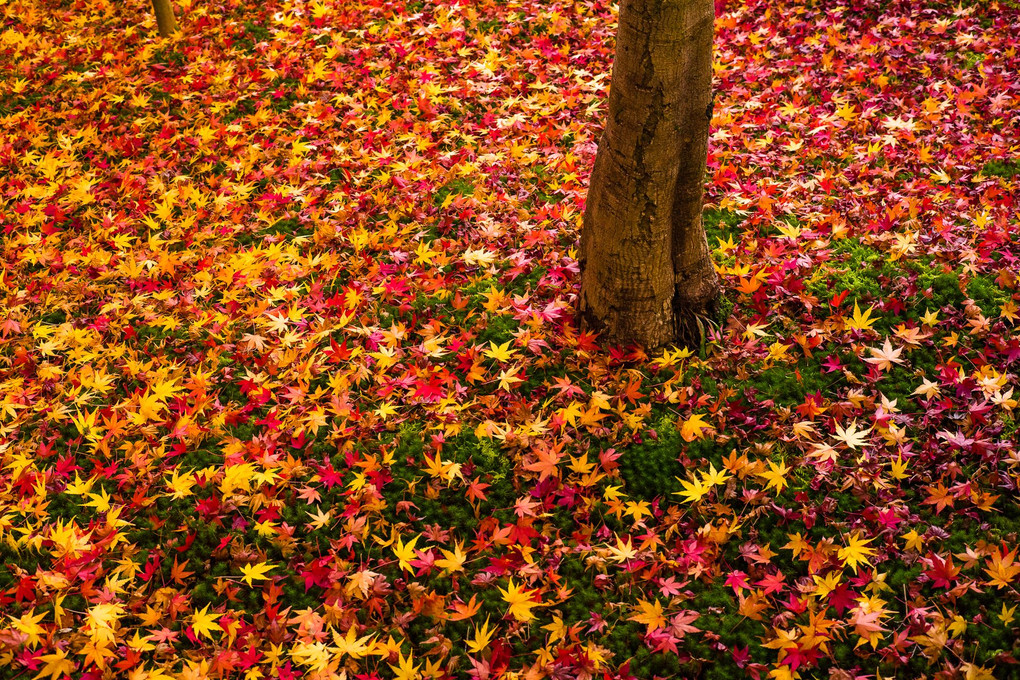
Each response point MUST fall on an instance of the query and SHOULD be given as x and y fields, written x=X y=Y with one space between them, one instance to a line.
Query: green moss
x=254 y=34
x=869 y=277
x=489 y=25
x=859 y=269
x=725 y=307
x=899 y=576
x=1007 y=168
x=493 y=464
x=649 y=469
x=460 y=186
x=169 y=56
x=938 y=287
x=242 y=107
x=789 y=385
x=898 y=385
x=14 y=104
x=54 y=318
x=721 y=225
x=497 y=328
x=66 y=507
x=526 y=282
x=987 y=294
x=1009 y=427
x=621 y=640
x=1004 y=519
x=451 y=506
x=289 y=227
x=972 y=59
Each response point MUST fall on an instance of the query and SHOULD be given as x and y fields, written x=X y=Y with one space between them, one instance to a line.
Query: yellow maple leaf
x=57 y=665
x=404 y=552
x=958 y=626
x=255 y=572
x=67 y=540
x=623 y=551
x=149 y=408
x=861 y=321
x=203 y=623
x=520 y=600
x=650 y=614
x=139 y=644
x=319 y=518
x=638 y=510
x=78 y=487
x=501 y=353
x=98 y=653
x=713 y=476
x=352 y=645
x=693 y=491
x=453 y=560
x=797 y=544
x=930 y=318
x=480 y=256
x=557 y=629
x=972 y=671
x=914 y=540
x=507 y=379
x=825 y=585
x=856 y=551
x=405 y=670
x=483 y=636
x=425 y=254
x=693 y=427
x=28 y=625
x=851 y=436
x=101 y=620
x=165 y=389
x=314 y=655
x=100 y=501
x=237 y=477
x=181 y=484
x=775 y=476
x=899 y=468
x=726 y=246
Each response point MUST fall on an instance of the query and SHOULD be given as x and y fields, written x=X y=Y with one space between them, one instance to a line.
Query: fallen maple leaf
x=885 y=357
x=521 y=601
x=851 y=436
x=650 y=614
x=1001 y=568
x=203 y=622
x=693 y=427
x=856 y=551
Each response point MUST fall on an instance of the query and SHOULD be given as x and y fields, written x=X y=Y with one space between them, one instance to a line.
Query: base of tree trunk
x=694 y=308
x=625 y=325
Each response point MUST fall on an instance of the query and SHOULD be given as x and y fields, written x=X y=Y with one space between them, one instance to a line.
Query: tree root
x=692 y=319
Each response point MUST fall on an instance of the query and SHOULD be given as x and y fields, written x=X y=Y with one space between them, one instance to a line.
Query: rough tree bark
x=646 y=269
x=164 y=17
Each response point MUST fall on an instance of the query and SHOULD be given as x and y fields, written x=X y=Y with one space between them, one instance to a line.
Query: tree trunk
x=646 y=269
x=164 y=17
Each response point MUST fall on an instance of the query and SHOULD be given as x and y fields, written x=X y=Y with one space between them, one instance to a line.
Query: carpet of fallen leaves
x=290 y=384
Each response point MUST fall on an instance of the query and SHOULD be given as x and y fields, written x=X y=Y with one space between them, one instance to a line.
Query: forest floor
x=290 y=383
